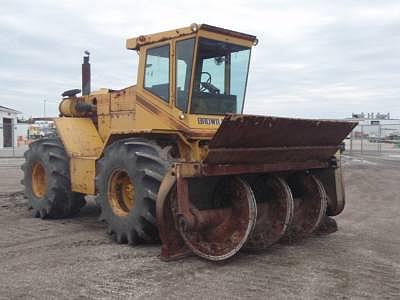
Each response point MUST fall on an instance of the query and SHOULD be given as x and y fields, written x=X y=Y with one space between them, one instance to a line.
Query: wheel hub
x=121 y=193
x=39 y=180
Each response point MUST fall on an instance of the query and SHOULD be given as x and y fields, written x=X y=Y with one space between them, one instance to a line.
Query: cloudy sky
x=314 y=59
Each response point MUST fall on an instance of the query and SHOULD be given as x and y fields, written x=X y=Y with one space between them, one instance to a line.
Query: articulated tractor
x=174 y=159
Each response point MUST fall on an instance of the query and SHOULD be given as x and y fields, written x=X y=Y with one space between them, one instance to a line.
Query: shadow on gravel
x=90 y=210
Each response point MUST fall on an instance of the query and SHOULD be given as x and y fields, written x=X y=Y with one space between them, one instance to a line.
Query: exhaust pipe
x=86 y=74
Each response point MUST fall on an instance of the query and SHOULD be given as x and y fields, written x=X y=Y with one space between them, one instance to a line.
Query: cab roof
x=142 y=40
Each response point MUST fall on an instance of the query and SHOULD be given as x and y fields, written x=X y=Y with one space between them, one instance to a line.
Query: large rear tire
x=128 y=179
x=47 y=180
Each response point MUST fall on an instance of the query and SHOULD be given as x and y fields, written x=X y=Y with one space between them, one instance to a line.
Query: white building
x=8 y=127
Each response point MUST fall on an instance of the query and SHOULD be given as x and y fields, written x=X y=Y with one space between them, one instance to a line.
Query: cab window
x=220 y=77
x=156 y=78
x=184 y=61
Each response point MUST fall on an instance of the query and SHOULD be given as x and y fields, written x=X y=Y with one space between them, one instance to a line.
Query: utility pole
x=44 y=108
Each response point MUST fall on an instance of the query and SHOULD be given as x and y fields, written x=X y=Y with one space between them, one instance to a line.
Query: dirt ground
x=74 y=258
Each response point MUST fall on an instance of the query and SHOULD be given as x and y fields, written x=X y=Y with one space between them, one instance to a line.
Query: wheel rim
x=121 y=193
x=39 y=180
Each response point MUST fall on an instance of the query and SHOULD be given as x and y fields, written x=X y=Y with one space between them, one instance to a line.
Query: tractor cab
x=197 y=70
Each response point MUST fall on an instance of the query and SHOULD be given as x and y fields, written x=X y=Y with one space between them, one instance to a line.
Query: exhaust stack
x=86 y=74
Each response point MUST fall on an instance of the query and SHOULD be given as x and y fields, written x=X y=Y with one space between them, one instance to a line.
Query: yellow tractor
x=173 y=158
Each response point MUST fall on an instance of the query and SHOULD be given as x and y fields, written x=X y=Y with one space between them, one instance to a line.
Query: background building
x=8 y=127
x=375 y=125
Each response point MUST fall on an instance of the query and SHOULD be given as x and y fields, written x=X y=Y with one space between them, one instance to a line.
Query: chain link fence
x=374 y=139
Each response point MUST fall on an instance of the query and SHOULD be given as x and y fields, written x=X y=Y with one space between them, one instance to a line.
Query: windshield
x=220 y=78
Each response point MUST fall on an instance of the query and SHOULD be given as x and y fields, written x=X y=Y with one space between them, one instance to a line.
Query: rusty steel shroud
x=245 y=144
x=269 y=140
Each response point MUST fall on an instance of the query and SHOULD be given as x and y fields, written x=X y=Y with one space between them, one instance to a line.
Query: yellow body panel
x=103 y=104
x=122 y=121
x=83 y=172
x=84 y=146
x=79 y=136
x=104 y=126
x=123 y=100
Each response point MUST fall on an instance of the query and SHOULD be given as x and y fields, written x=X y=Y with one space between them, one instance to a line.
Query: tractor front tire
x=47 y=180
x=129 y=176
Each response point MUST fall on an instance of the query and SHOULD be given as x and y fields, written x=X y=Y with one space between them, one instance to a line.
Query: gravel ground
x=74 y=258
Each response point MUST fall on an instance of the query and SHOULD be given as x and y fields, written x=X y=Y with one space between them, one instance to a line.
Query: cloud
x=314 y=59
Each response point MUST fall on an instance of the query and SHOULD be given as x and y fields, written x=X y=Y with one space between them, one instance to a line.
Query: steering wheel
x=203 y=87
x=207 y=85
